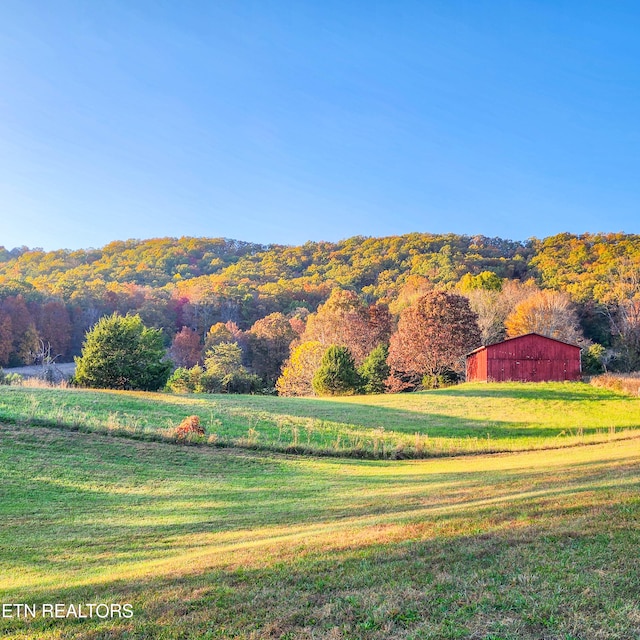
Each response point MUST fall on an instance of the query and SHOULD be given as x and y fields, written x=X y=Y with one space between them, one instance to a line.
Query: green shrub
x=446 y=379
x=184 y=380
x=10 y=378
x=592 y=360
x=239 y=381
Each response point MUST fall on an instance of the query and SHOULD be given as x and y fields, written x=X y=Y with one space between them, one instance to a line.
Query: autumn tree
x=412 y=289
x=6 y=338
x=269 y=341
x=53 y=325
x=433 y=335
x=219 y=332
x=186 y=349
x=344 y=319
x=549 y=313
x=299 y=369
x=493 y=306
x=158 y=310
x=298 y=320
x=620 y=299
x=625 y=322
x=24 y=336
x=227 y=332
x=119 y=352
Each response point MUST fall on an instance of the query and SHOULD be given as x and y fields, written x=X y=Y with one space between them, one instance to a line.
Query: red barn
x=528 y=358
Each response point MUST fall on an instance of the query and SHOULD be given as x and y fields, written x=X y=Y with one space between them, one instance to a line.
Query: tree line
x=282 y=306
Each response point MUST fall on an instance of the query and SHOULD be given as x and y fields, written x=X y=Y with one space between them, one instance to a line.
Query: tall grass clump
x=622 y=382
x=34 y=382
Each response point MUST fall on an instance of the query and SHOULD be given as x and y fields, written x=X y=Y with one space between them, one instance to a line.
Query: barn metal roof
x=524 y=335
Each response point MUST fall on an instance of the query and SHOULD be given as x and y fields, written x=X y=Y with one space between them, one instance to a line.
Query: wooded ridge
x=198 y=282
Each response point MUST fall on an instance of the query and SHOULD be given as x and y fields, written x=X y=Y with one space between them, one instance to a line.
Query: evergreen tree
x=375 y=370
x=121 y=353
x=337 y=374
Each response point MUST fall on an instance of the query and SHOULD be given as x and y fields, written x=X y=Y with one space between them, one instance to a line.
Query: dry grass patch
x=622 y=383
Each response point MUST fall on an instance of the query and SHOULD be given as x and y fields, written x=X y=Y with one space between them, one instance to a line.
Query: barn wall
x=533 y=359
x=477 y=366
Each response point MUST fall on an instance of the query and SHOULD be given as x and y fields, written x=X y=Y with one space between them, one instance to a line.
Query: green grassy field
x=468 y=418
x=245 y=542
x=229 y=543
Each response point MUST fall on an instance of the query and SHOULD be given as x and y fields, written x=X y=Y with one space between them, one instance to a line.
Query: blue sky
x=289 y=121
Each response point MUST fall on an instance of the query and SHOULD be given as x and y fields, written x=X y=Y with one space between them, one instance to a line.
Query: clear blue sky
x=289 y=121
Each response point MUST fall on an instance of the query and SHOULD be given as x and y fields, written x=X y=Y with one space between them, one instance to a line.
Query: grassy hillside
x=469 y=418
x=224 y=543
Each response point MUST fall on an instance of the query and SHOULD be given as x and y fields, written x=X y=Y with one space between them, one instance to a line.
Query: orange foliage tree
x=345 y=320
x=269 y=340
x=433 y=335
x=549 y=313
x=186 y=350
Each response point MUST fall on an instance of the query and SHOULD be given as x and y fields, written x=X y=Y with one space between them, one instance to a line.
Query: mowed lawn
x=226 y=543
x=468 y=418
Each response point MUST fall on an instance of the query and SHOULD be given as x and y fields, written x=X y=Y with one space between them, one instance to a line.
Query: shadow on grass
x=76 y=502
x=334 y=427
x=554 y=578
x=368 y=416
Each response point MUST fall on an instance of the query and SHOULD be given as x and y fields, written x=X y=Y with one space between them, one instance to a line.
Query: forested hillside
x=197 y=282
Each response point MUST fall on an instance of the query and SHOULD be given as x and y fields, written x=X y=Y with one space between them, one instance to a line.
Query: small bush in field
x=189 y=426
x=592 y=360
x=184 y=380
x=446 y=379
x=10 y=378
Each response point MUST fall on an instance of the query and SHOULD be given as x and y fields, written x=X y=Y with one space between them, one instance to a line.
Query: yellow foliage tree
x=549 y=313
x=299 y=369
